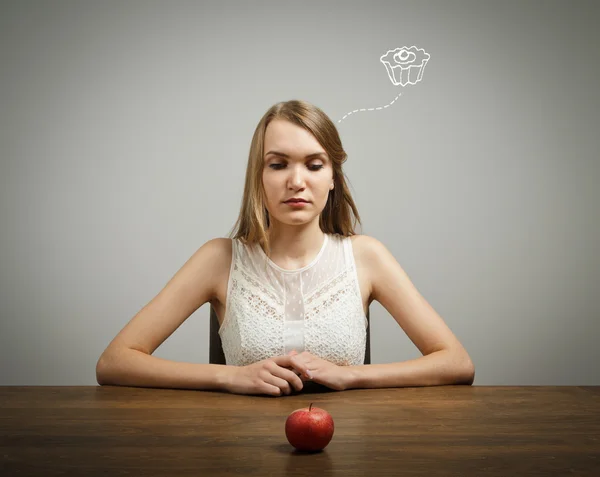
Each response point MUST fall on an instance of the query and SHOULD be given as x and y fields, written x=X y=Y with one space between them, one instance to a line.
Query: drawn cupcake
x=405 y=65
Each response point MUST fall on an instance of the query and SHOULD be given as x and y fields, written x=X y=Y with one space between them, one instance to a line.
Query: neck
x=294 y=246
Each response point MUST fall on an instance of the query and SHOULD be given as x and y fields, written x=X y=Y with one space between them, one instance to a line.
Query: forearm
x=435 y=369
x=129 y=367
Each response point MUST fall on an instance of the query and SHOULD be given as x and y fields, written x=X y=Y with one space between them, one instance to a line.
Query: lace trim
x=334 y=297
x=255 y=282
x=328 y=286
x=257 y=303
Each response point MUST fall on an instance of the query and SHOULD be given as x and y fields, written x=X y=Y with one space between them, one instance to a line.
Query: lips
x=295 y=201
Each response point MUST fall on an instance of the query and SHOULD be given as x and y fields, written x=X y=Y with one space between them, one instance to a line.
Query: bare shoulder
x=367 y=248
x=221 y=246
x=368 y=255
x=373 y=257
x=221 y=250
x=208 y=265
x=217 y=250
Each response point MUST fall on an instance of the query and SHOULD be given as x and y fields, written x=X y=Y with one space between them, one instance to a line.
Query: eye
x=313 y=167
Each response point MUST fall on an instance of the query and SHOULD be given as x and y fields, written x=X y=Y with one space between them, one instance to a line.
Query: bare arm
x=128 y=358
x=130 y=367
x=434 y=369
x=444 y=360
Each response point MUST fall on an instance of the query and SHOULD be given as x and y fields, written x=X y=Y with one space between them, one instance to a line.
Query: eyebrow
x=310 y=156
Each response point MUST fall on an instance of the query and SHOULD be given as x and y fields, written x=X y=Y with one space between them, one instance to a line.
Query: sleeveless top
x=271 y=311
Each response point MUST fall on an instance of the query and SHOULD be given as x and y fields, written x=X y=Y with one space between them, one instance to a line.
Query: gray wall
x=125 y=128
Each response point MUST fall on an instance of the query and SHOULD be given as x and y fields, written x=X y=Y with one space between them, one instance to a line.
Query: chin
x=296 y=219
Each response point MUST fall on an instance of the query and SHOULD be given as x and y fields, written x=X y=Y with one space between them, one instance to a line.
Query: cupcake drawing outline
x=405 y=65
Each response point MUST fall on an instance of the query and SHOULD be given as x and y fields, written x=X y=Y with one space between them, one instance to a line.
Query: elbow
x=466 y=373
x=103 y=370
x=460 y=368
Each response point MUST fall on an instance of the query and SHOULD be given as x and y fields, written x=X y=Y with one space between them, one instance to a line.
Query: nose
x=296 y=178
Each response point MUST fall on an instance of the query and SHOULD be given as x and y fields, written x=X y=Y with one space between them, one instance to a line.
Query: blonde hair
x=340 y=214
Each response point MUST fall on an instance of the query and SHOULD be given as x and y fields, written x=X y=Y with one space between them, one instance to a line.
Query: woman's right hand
x=275 y=376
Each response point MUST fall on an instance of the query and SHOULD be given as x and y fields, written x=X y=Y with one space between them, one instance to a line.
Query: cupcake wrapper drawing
x=404 y=66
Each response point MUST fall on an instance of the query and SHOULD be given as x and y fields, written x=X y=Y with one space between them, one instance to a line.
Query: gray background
x=125 y=128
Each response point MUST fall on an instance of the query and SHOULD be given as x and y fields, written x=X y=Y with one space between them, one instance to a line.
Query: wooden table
x=448 y=430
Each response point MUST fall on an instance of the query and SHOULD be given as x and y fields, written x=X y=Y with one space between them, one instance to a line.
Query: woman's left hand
x=324 y=372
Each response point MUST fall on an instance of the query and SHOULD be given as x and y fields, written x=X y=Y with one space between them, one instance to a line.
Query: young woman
x=292 y=285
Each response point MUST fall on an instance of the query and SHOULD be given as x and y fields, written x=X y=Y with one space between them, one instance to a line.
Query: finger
x=301 y=366
x=292 y=362
x=280 y=382
x=291 y=368
x=271 y=389
x=289 y=376
x=298 y=364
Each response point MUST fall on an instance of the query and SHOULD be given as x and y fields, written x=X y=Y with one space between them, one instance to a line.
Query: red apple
x=309 y=429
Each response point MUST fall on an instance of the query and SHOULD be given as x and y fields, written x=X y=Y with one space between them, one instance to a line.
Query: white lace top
x=271 y=311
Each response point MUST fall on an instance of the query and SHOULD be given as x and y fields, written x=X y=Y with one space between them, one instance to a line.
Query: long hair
x=340 y=214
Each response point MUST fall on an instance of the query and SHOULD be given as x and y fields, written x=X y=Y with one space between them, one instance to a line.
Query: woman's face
x=295 y=166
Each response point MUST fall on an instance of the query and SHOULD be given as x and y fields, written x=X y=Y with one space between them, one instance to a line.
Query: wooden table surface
x=445 y=430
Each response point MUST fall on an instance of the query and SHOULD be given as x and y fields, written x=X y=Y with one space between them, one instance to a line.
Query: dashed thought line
x=404 y=66
x=370 y=109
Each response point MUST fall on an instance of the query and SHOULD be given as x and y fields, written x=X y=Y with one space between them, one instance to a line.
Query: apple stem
x=310 y=407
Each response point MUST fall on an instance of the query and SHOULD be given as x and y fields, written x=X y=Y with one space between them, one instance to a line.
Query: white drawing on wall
x=404 y=66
